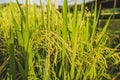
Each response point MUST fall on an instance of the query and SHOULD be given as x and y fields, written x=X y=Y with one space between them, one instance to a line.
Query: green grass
x=51 y=45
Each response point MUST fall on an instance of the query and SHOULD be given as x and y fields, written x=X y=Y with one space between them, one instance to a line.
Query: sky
x=60 y=2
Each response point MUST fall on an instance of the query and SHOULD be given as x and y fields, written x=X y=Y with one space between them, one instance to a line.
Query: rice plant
x=52 y=45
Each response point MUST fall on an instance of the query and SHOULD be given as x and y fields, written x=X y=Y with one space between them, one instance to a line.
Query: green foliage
x=44 y=44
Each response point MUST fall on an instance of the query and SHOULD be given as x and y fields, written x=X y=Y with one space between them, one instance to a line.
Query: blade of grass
x=74 y=41
x=42 y=13
x=12 y=56
x=64 y=36
x=103 y=31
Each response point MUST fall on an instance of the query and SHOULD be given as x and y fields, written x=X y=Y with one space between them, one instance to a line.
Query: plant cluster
x=45 y=44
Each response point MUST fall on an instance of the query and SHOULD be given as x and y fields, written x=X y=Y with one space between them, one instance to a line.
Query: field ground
x=114 y=25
